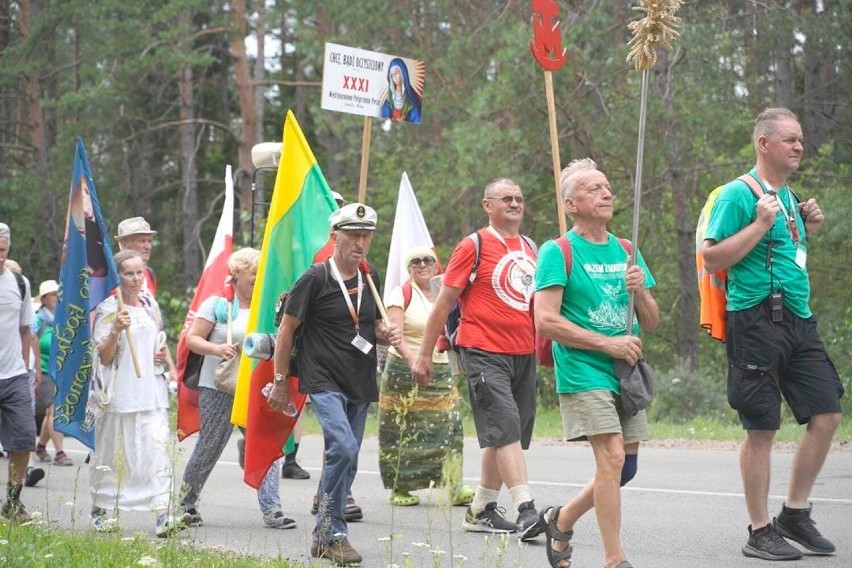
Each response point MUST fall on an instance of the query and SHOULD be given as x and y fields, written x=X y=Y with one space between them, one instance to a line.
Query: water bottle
x=291 y=408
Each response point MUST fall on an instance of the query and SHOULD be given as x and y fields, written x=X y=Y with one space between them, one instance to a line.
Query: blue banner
x=87 y=276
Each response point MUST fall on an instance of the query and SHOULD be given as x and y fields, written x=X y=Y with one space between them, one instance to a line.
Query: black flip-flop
x=552 y=533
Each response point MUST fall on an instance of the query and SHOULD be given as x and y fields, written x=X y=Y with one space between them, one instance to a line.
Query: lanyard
x=500 y=238
x=352 y=309
x=789 y=215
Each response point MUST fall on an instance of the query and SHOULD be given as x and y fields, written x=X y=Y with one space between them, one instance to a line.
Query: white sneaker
x=100 y=522
x=167 y=525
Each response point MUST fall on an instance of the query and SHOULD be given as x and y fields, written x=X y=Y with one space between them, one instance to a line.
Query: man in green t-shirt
x=584 y=312
x=772 y=342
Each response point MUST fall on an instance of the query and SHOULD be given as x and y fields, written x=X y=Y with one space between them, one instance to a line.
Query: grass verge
x=36 y=545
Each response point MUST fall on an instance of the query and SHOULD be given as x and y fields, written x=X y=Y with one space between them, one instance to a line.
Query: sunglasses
x=427 y=260
x=507 y=199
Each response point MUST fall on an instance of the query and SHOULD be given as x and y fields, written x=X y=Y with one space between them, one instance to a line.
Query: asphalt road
x=684 y=508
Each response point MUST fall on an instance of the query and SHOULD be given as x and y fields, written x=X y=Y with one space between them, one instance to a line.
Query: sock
x=483 y=497
x=790 y=511
x=13 y=492
x=520 y=494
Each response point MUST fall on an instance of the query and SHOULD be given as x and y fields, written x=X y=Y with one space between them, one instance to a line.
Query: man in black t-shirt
x=340 y=324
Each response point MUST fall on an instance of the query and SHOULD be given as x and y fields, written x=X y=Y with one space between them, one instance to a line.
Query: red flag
x=212 y=280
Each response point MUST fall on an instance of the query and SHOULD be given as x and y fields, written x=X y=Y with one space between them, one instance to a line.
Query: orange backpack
x=713 y=285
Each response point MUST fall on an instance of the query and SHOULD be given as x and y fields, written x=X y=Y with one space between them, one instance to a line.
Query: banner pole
x=365 y=159
x=554 y=148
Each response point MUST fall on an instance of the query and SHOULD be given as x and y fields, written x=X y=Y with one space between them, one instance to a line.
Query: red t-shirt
x=496 y=306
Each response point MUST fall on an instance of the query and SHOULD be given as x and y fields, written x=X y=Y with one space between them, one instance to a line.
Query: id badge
x=801 y=257
x=362 y=345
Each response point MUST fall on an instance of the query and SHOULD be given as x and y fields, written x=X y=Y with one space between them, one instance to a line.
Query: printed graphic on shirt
x=513 y=280
x=610 y=313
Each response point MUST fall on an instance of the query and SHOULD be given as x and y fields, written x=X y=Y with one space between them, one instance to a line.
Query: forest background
x=167 y=92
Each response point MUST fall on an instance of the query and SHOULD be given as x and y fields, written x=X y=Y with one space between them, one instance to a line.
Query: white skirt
x=131 y=467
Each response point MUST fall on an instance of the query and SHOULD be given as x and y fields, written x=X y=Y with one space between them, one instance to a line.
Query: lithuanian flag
x=296 y=228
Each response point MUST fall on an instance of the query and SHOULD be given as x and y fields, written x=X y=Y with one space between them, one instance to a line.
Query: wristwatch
x=280 y=378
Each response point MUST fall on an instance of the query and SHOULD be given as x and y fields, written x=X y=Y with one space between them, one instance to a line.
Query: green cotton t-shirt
x=749 y=279
x=595 y=298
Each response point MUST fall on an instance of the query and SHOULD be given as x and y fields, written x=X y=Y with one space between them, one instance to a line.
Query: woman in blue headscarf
x=402 y=102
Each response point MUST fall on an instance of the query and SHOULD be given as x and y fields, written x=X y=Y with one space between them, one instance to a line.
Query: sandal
x=552 y=533
x=404 y=499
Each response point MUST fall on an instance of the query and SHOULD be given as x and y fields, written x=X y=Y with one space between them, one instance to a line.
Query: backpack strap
x=22 y=285
x=752 y=184
x=565 y=245
x=477 y=245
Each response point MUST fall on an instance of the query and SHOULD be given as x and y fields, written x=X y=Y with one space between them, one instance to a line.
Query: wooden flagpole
x=130 y=343
x=547 y=50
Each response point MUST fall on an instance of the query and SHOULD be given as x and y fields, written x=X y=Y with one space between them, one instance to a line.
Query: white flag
x=409 y=231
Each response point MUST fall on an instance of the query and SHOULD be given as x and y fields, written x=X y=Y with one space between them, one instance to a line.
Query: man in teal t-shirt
x=585 y=314
x=772 y=342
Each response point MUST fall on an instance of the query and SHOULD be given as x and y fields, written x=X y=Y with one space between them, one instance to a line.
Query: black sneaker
x=797 y=525
x=491 y=520
x=767 y=544
x=529 y=522
x=292 y=470
x=33 y=476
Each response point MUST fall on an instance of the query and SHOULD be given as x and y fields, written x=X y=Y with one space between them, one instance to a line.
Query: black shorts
x=770 y=360
x=502 y=396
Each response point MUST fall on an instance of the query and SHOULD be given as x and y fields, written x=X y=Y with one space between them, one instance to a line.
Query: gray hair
x=568 y=177
x=492 y=186
x=5 y=232
x=123 y=256
x=766 y=122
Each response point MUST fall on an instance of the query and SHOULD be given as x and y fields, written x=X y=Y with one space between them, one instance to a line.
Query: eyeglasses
x=427 y=260
x=507 y=199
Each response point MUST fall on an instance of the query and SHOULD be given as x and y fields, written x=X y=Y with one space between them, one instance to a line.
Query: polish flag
x=212 y=282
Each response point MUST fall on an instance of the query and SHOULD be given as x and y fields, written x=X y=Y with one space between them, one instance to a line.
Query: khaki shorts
x=595 y=412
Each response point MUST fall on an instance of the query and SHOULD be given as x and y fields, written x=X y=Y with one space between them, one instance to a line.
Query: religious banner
x=367 y=83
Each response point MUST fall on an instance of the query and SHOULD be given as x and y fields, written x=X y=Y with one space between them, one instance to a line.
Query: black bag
x=637 y=385
x=192 y=371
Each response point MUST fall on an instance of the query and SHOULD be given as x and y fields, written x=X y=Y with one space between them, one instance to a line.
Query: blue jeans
x=342 y=423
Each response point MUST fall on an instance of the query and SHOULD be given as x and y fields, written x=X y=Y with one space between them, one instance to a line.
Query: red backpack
x=543 y=345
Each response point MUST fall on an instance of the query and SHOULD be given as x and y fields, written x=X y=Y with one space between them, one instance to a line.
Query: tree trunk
x=248 y=111
x=686 y=325
x=189 y=171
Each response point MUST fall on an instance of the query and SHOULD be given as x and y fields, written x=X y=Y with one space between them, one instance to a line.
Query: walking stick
x=130 y=343
x=547 y=50
x=369 y=274
x=657 y=27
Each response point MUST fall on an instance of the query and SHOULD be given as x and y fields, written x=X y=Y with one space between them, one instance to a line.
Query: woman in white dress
x=131 y=466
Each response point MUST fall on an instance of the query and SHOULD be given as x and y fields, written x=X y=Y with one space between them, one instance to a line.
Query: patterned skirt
x=420 y=429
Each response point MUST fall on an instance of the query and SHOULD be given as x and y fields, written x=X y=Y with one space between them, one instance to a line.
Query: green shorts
x=595 y=412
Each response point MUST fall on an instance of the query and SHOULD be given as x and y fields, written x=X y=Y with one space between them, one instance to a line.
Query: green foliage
x=682 y=395
x=39 y=546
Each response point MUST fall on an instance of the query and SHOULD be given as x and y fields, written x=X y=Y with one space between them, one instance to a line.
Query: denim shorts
x=594 y=412
x=502 y=396
x=768 y=361
x=17 y=422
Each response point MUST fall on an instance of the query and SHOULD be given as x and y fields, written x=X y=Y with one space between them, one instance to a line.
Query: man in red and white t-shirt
x=497 y=354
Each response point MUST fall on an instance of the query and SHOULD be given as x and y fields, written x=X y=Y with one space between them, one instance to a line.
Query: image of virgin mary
x=402 y=101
